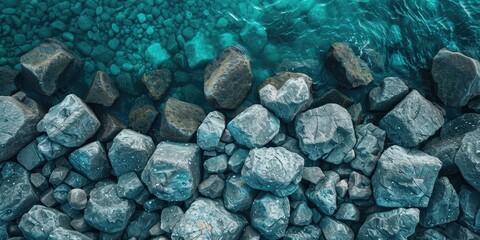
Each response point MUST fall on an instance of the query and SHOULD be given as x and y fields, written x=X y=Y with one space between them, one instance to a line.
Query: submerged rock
x=103 y=90
x=399 y=223
x=180 y=120
x=142 y=115
x=384 y=97
x=157 y=82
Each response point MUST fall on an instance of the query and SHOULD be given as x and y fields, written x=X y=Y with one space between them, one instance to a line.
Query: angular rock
x=39 y=181
x=77 y=198
x=301 y=214
x=404 y=178
x=210 y=131
x=457 y=77
x=269 y=215
x=103 y=90
x=303 y=233
x=349 y=70
x=7 y=81
x=110 y=127
x=228 y=79
x=140 y=225
x=467 y=158
x=461 y=125
x=443 y=206
x=286 y=94
x=348 y=212
x=341 y=188
x=335 y=230
x=49 y=149
x=399 y=223
x=70 y=123
x=106 y=211
x=333 y=96
x=445 y=150
x=359 y=187
x=369 y=147
x=236 y=161
x=217 y=164
x=430 y=234
x=390 y=92
x=199 y=51
x=412 y=121
x=237 y=195
x=170 y=217
x=250 y=233
x=130 y=151
x=180 y=120
x=91 y=161
x=58 y=175
x=40 y=221
x=312 y=174
x=173 y=171
x=470 y=209
x=61 y=233
x=254 y=127
x=142 y=115
x=326 y=132
x=157 y=82
x=457 y=231
x=207 y=217
x=129 y=186
x=30 y=157
x=323 y=194
x=212 y=187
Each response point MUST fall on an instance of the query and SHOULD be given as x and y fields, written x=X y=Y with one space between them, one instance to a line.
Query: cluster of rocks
x=282 y=168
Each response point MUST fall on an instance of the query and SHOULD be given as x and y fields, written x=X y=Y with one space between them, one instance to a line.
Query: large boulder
x=180 y=120
x=228 y=79
x=269 y=215
x=384 y=97
x=40 y=221
x=457 y=77
x=103 y=90
x=210 y=131
x=326 y=132
x=399 y=223
x=468 y=158
x=404 y=177
x=369 y=147
x=443 y=206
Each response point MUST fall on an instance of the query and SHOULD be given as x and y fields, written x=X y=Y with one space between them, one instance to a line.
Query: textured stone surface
x=359 y=186
x=173 y=171
x=369 y=147
x=399 y=223
x=443 y=206
x=207 y=217
x=49 y=149
x=445 y=150
x=269 y=215
x=461 y=125
x=228 y=79
x=180 y=120
x=157 y=82
x=70 y=123
x=91 y=161
x=384 y=97
x=412 y=121
x=470 y=209
x=335 y=230
x=303 y=233
x=129 y=185
x=30 y=157
x=468 y=158
x=237 y=195
x=301 y=214
x=110 y=127
x=7 y=81
x=217 y=164
x=326 y=132
x=429 y=234
x=273 y=169
x=457 y=77
x=210 y=131
x=103 y=90
x=62 y=233
x=312 y=174
x=333 y=96
x=212 y=187
x=286 y=94
x=170 y=217
x=348 y=212
x=404 y=177
x=323 y=194
x=77 y=198
x=457 y=231
x=142 y=115
x=254 y=127
x=40 y=221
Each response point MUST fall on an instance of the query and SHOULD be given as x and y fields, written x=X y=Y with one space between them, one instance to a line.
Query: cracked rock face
x=324 y=194
x=238 y=195
x=91 y=161
x=399 y=223
x=443 y=206
x=404 y=178
x=369 y=147
x=326 y=132
x=468 y=158
x=269 y=215
x=210 y=131
x=40 y=221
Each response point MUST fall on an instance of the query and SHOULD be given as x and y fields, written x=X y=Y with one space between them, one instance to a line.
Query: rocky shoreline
x=290 y=166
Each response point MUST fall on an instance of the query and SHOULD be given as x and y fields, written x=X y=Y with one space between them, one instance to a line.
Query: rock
x=445 y=150
x=236 y=161
x=404 y=178
x=312 y=174
x=470 y=209
x=8 y=81
x=16 y=192
x=254 y=31
x=199 y=51
x=70 y=123
x=457 y=231
x=77 y=198
x=156 y=54
x=30 y=157
x=250 y=233
x=301 y=214
x=369 y=147
x=456 y=77
x=461 y=125
x=63 y=233
x=180 y=120
x=106 y=211
x=326 y=132
x=212 y=187
x=348 y=212
x=468 y=158
x=286 y=94
x=18 y=122
x=323 y=194
x=39 y=181
x=273 y=169
x=359 y=187
x=49 y=66
x=130 y=151
x=335 y=230
x=443 y=206
x=399 y=223
x=103 y=90
x=91 y=161
x=49 y=149
x=129 y=186
x=412 y=121
x=269 y=215
x=217 y=164
x=142 y=115
x=207 y=217
x=349 y=70
x=333 y=96
x=210 y=131
x=40 y=221
x=58 y=175
x=142 y=222
x=390 y=92
x=303 y=233
x=341 y=188
x=237 y=195
x=254 y=127
x=473 y=104
x=173 y=171
x=228 y=79
x=102 y=54
x=157 y=82
x=170 y=217
x=429 y=234
x=60 y=193
x=110 y=127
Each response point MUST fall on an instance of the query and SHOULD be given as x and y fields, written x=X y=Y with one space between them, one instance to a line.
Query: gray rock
x=359 y=187
x=348 y=212
x=384 y=97
x=231 y=148
x=170 y=217
x=18 y=122
x=8 y=81
x=103 y=90
x=456 y=76
x=468 y=158
x=301 y=214
x=312 y=174
x=269 y=215
x=430 y=234
x=61 y=233
x=129 y=186
x=111 y=126
x=254 y=127
x=349 y=70
x=236 y=161
x=412 y=121
x=326 y=132
x=58 y=175
x=461 y=125
x=70 y=123
x=212 y=187
x=404 y=178
x=238 y=195
x=335 y=230
x=49 y=149
x=106 y=211
x=140 y=225
x=457 y=231
x=130 y=151
x=30 y=157
x=303 y=233
x=173 y=171
x=323 y=194
x=180 y=120
x=445 y=150
x=250 y=233
x=207 y=217
x=157 y=82
x=60 y=193
x=286 y=94
x=341 y=188
x=91 y=161
x=369 y=147
x=217 y=164
x=40 y=221
x=39 y=181
x=210 y=131
x=77 y=198
x=470 y=209
x=399 y=223
x=16 y=192
x=443 y=206
x=228 y=79
x=273 y=169
x=75 y=180
x=80 y=225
